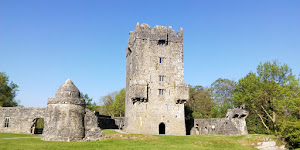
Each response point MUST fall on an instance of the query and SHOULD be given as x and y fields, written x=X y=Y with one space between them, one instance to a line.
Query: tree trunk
x=262 y=121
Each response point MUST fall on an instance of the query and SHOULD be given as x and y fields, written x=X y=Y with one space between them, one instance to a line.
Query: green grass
x=116 y=140
x=109 y=131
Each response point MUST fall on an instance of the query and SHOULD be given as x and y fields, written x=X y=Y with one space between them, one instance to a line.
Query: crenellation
x=145 y=32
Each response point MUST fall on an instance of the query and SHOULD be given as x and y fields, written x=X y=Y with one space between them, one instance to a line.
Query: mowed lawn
x=116 y=140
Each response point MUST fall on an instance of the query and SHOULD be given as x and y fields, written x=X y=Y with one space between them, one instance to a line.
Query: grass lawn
x=116 y=140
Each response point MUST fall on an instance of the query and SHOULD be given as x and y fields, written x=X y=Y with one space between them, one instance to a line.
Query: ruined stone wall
x=92 y=131
x=155 y=87
x=233 y=124
x=21 y=119
x=108 y=122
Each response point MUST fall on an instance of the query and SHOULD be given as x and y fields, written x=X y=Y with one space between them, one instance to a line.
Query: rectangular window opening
x=161 y=91
x=160 y=60
x=161 y=42
x=161 y=78
x=6 y=122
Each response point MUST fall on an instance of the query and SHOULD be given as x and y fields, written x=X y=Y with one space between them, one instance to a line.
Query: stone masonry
x=233 y=124
x=19 y=119
x=155 y=87
x=66 y=118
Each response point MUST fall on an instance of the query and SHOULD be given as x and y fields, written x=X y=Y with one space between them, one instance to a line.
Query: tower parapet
x=157 y=35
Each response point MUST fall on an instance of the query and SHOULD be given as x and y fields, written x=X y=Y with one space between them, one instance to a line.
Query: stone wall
x=92 y=131
x=21 y=120
x=233 y=124
x=108 y=122
x=155 y=87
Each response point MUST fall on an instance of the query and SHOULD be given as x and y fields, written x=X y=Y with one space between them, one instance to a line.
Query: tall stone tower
x=155 y=87
x=65 y=115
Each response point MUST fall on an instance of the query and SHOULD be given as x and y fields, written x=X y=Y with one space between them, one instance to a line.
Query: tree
x=8 y=92
x=107 y=107
x=113 y=104
x=200 y=102
x=88 y=101
x=222 y=93
x=272 y=94
x=119 y=103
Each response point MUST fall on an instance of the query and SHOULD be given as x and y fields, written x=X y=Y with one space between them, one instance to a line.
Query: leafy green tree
x=8 y=92
x=271 y=94
x=222 y=92
x=200 y=102
x=290 y=130
x=89 y=101
x=107 y=107
x=119 y=103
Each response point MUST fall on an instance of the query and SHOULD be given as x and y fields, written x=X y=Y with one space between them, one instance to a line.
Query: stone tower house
x=155 y=87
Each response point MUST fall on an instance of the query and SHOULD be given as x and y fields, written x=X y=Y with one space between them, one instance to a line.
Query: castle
x=155 y=87
x=154 y=102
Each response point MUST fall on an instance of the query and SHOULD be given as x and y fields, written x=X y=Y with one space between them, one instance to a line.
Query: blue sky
x=42 y=43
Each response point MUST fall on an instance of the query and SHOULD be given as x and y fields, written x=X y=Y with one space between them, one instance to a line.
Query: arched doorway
x=37 y=126
x=162 y=128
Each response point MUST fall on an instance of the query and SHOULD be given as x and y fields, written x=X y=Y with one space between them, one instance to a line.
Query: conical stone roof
x=67 y=90
x=67 y=93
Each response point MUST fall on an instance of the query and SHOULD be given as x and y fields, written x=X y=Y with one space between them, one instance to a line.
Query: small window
x=161 y=78
x=161 y=42
x=161 y=91
x=169 y=92
x=160 y=60
x=6 y=122
x=235 y=116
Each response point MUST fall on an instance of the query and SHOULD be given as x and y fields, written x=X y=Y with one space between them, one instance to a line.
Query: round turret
x=64 y=119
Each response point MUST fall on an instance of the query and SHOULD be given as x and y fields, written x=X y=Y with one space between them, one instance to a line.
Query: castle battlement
x=158 y=33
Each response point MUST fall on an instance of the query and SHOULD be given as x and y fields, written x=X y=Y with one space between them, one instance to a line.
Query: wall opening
x=6 y=122
x=160 y=60
x=242 y=116
x=160 y=91
x=235 y=116
x=161 y=42
x=161 y=78
x=162 y=128
x=128 y=52
x=37 y=126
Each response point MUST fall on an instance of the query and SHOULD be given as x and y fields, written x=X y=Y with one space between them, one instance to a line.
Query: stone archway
x=37 y=126
x=162 y=128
